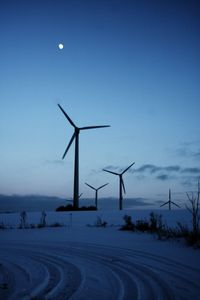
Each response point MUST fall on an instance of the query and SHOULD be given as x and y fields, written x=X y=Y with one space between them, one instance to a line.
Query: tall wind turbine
x=170 y=201
x=96 y=191
x=121 y=183
x=75 y=137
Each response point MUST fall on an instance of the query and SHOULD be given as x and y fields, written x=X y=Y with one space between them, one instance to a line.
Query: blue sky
x=131 y=64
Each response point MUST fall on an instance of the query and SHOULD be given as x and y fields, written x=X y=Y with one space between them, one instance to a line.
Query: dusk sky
x=134 y=65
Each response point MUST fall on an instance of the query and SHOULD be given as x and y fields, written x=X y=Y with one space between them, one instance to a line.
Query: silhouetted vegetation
x=23 y=220
x=24 y=224
x=194 y=236
x=70 y=207
x=155 y=225
x=128 y=223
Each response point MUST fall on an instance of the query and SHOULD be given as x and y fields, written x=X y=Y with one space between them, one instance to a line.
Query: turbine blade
x=123 y=186
x=68 y=118
x=93 y=127
x=80 y=195
x=102 y=186
x=128 y=168
x=90 y=186
x=164 y=203
x=169 y=194
x=175 y=204
x=72 y=138
x=110 y=172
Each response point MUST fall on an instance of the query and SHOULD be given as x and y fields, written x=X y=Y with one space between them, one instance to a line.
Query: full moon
x=60 y=46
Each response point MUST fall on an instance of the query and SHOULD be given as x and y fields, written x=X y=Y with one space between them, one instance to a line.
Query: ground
x=81 y=262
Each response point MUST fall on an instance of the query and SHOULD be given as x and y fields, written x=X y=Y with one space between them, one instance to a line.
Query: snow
x=80 y=261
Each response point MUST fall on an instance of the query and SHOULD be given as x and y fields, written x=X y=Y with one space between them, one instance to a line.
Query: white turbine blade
x=128 y=168
x=93 y=127
x=110 y=172
x=90 y=186
x=72 y=138
x=68 y=118
x=102 y=186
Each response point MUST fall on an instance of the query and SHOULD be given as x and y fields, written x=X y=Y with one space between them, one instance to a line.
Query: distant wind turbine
x=75 y=137
x=96 y=191
x=170 y=201
x=121 y=183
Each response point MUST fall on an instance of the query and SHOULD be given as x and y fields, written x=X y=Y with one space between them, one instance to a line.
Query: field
x=82 y=261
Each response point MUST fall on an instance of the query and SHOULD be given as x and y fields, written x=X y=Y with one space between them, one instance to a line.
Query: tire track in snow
x=80 y=271
x=184 y=278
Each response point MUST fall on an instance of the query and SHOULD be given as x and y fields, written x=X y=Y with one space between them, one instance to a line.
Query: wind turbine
x=96 y=191
x=75 y=137
x=121 y=183
x=170 y=201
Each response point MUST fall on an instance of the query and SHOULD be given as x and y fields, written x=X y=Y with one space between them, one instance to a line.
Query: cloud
x=186 y=176
x=141 y=172
x=169 y=169
x=118 y=168
x=191 y=170
x=197 y=154
x=148 y=167
x=163 y=177
x=173 y=168
x=154 y=169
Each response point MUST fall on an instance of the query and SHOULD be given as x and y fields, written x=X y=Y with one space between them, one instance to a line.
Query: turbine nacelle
x=96 y=189
x=76 y=129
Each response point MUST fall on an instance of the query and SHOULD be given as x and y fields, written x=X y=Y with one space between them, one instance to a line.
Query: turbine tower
x=75 y=137
x=96 y=191
x=121 y=183
x=170 y=201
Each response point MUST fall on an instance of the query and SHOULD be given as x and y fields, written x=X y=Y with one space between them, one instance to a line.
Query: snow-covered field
x=81 y=262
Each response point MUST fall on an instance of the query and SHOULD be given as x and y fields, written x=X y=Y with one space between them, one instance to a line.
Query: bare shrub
x=194 y=211
x=142 y=225
x=23 y=220
x=42 y=220
x=128 y=223
x=156 y=222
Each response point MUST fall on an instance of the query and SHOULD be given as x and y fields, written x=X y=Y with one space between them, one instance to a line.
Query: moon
x=60 y=46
